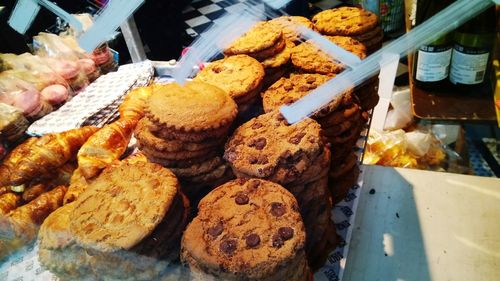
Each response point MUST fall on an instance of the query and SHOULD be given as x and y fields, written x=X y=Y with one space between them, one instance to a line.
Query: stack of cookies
x=354 y=22
x=297 y=157
x=309 y=58
x=247 y=229
x=184 y=129
x=127 y=225
x=341 y=120
x=240 y=76
x=265 y=43
x=361 y=25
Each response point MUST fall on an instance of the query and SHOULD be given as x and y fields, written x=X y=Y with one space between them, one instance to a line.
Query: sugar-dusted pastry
x=46 y=154
x=104 y=147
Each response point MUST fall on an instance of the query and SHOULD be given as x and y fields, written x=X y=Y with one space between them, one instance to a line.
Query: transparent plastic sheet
x=19 y=94
x=419 y=148
x=32 y=69
x=64 y=60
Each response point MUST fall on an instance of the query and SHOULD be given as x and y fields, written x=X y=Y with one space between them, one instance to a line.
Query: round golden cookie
x=202 y=136
x=369 y=35
x=338 y=129
x=268 y=147
x=183 y=163
x=339 y=170
x=123 y=206
x=340 y=115
x=261 y=36
x=307 y=57
x=269 y=52
x=340 y=187
x=289 y=90
x=246 y=229
x=147 y=139
x=194 y=107
x=172 y=155
x=280 y=58
x=198 y=168
x=346 y=21
x=237 y=75
x=288 y=25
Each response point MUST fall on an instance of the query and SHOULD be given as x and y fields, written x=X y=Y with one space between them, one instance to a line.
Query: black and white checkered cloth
x=201 y=13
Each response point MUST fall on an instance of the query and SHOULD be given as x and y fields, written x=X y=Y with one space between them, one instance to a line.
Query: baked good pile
x=220 y=186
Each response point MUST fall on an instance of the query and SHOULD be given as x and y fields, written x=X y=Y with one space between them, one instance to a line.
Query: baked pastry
x=20 y=226
x=259 y=42
x=8 y=202
x=134 y=103
x=289 y=90
x=240 y=76
x=289 y=26
x=246 y=229
x=128 y=223
x=307 y=57
x=194 y=107
x=35 y=158
x=105 y=146
x=268 y=147
x=345 y=21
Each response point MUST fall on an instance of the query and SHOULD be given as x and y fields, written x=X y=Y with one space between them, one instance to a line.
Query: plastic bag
x=12 y=124
x=63 y=59
x=32 y=69
x=20 y=94
x=417 y=149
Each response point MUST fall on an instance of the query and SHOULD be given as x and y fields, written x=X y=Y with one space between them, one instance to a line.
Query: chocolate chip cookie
x=289 y=26
x=308 y=57
x=260 y=37
x=346 y=21
x=270 y=148
x=246 y=229
x=240 y=76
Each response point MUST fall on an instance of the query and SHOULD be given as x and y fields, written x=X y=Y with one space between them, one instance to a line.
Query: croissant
x=61 y=176
x=133 y=104
x=21 y=226
x=77 y=185
x=48 y=153
x=12 y=159
x=8 y=202
x=104 y=147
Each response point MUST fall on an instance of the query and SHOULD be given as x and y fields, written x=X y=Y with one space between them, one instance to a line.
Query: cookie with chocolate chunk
x=288 y=90
x=270 y=148
x=240 y=76
x=246 y=229
x=346 y=21
x=260 y=37
x=290 y=25
x=308 y=57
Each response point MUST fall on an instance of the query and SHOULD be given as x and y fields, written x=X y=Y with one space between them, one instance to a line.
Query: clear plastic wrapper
x=63 y=59
x=12 y=125
x=35 y=71
x=416 y=149
x=20 y=94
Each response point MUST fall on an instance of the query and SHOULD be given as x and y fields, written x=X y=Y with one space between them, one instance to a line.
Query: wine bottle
x=431 y=62
x=471 y=57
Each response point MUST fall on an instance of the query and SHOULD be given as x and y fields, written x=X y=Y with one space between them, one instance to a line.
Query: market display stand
x=421 y=225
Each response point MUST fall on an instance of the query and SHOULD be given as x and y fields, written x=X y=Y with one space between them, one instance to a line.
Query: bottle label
x=468 y=66
x=433 y=63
